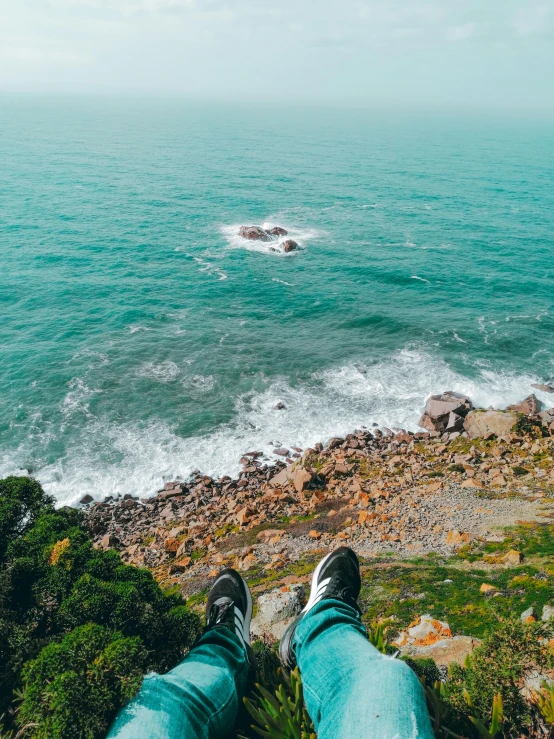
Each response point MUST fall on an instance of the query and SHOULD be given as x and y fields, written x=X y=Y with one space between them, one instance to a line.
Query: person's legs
x=198 y=699
x=351 y=689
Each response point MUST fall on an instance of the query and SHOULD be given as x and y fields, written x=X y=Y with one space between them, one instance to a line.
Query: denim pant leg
x=351 y=689
x=198 y=699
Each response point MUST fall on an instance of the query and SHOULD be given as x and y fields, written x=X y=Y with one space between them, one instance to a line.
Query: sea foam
x=274 y=247
x=112 y=459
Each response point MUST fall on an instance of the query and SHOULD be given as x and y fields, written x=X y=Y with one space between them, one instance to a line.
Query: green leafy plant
x=497 y=717
x=75 y=687
x=498 y=666
x=281 y=714
x=544 y=700
x=377 y=637
x=68 y=610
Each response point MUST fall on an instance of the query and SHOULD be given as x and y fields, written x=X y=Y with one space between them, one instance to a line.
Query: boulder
x=512 y=558
x=277 y=231
x=486 y=424
x=279 y=406
x=547 y=418
x=442 y=412
x=283 y=477
x=423 y=632
x=546 y=388
x=109 y=541
x=528 y=616
x=547 y=612
x=276 y=610
x=86 y=499
x=254 y=233
x=458 y=538
x=530 y=406
x=301 y=478
x=289 y=245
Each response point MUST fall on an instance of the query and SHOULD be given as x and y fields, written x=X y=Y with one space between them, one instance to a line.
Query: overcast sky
x=497 y=53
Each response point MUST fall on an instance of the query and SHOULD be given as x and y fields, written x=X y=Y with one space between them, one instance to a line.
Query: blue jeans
x=351 y=689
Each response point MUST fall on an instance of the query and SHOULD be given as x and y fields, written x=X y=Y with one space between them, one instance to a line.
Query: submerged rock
x=290 y=245
x=546 y=388
x=254 y=233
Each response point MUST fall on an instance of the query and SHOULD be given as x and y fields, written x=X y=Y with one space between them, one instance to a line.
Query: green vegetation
x=281 y=713
x=78 y=628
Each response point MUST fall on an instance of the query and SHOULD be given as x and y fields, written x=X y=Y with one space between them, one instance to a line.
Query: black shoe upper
x=336 y=576
x=230 y=605
x=339 y=578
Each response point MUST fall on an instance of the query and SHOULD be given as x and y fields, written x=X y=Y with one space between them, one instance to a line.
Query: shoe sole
x=286 y=652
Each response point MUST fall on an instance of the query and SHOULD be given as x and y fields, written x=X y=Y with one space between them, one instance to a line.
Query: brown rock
x=289 y=245
x=486 y=588
x=438 y=410
x=284 y=477
x=243 y=516
x=171 y=545
x=513 y=558
x=470 y=483
x=486 y=424
x=277 y=231
x=253 y=233
x=546 y=388
x=181 y=565
x=109 y=541
x=313 y=534
x=530 y=406
x=457 y=538
x=301 y=478
x=268 y=534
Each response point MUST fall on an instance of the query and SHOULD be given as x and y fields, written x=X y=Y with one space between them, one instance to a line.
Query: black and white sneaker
x=336 y=576
x=230 y=606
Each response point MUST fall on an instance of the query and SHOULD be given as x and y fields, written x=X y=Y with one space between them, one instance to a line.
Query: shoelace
x=218 y=613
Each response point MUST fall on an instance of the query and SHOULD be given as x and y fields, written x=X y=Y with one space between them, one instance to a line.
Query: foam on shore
x=110 y=458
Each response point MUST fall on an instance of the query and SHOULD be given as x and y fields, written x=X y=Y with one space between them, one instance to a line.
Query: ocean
x=141 y=338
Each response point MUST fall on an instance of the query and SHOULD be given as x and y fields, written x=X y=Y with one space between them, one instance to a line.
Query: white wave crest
x=162 y=372
x=131 y=458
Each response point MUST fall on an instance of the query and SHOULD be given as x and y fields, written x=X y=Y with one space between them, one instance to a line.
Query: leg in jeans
x=199 y=699
x=351 y=689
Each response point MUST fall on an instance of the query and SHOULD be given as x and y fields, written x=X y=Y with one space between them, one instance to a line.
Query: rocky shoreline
x=380 y=491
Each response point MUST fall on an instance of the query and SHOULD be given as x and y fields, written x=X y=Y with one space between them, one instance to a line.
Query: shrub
x=74 y=687
x=54 y=586
x=499 y=666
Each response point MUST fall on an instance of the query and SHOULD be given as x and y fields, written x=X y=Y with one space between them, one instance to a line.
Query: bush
x=499 y=666
x=75 y=687
x=55 y=589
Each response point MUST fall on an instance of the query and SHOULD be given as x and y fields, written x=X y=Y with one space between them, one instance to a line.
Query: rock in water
x=254 y=233
x=290 y=245
x=546 y=388
x=445 y=411
x=277 y=231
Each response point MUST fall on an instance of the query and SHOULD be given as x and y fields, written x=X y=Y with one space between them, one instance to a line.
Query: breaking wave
x=117 y=458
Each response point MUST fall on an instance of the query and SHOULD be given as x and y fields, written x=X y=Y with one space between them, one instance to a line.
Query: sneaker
x=230 y=606
x=336 y=576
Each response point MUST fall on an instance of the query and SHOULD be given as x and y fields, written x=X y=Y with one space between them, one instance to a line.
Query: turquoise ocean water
x=140 y=338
